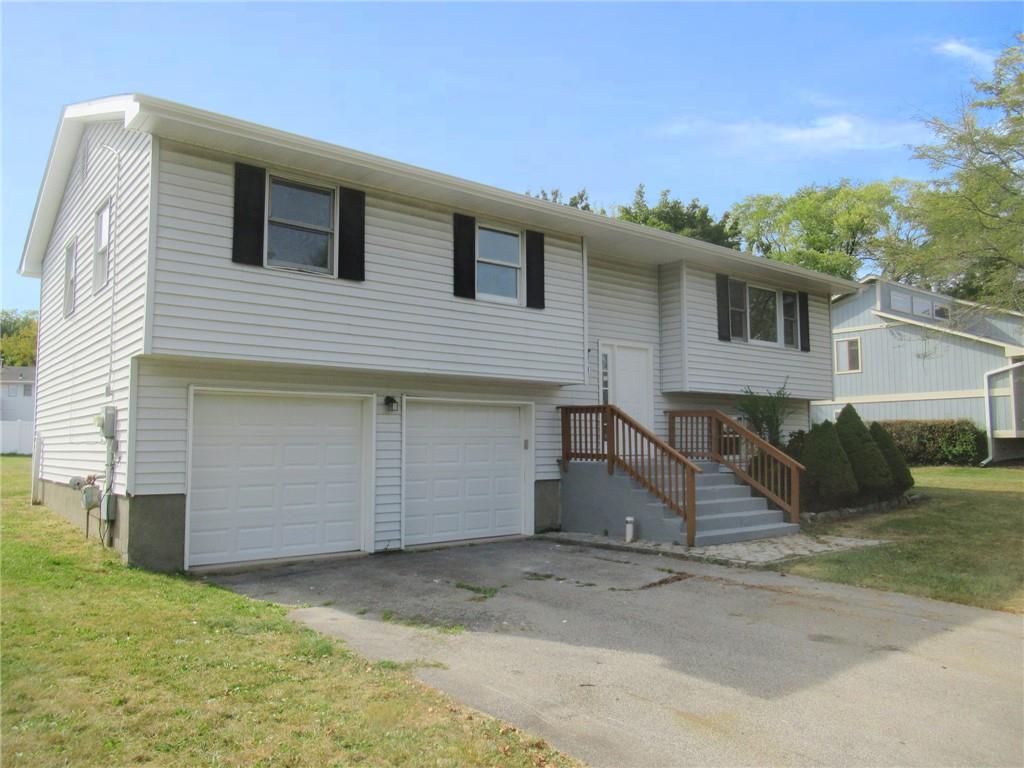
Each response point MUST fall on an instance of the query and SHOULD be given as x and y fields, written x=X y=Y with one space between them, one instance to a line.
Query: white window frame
x=520 y=267
x=70 y=276
x=797 y=330
x=101 y=255
x=945 y=307
x=780 y=325
x=835 y=355
x=745 y=308
x=319 y=186
x=910 y=300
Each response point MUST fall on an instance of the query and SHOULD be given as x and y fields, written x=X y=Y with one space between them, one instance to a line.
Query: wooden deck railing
x=718 y=437
x=607 y=433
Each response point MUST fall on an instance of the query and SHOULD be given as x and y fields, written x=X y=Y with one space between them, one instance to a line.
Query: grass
x=105 y=665
x=422 y=622
x=964 y=544
x=482 y=593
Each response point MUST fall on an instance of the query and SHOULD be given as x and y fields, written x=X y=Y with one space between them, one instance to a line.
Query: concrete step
x=730 y=535
x=741 y=519
x=720 y=506
x=716 y=492
x=716 y=478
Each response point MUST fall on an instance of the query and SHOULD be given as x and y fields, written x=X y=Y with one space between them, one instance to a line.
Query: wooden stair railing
x=607 y=433
x=715 y=436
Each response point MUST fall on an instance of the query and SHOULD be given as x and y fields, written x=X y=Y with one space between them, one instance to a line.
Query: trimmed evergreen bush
x=828 y=480
x=893 y=457
x=795 y=445
x=938 y=441
x=869 y=466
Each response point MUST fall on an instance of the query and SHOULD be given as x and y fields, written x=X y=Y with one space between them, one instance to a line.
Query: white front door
x=275 y=476
x=465 y=471
x=627 y=379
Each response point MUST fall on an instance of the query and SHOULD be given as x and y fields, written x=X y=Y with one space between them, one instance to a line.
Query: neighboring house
x=17 y=407
x=308 y=349
x=906 y=353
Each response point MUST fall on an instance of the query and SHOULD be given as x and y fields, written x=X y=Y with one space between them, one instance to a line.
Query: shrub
x=766 y=413
x=795 y=444
x=938 y=441
x=828 y=479
x=869 y=466
x=893 y=457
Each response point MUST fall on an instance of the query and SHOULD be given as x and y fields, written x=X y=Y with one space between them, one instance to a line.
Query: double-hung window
x=499 y=264
x=738 y=309
x=70 y=267
x=790 y=320
x=764 y=314
x=26 y=390
x=101 y=247
x=300 y=227
x=848 y=355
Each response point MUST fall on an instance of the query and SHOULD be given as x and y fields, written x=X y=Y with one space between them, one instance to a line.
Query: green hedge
x=938 y=441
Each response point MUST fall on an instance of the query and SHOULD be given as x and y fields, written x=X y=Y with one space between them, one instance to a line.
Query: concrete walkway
x=624 y=659
x=755 y=552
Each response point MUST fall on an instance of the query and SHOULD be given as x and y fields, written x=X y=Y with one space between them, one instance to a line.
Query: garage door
x=464 y=471
x=274 y=476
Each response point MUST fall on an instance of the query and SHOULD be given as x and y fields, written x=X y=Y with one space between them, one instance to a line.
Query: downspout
x=988 y=406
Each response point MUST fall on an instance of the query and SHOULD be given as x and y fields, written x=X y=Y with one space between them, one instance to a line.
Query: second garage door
x=465 y=471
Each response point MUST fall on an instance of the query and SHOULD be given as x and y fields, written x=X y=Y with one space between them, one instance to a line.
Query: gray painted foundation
x=547 y=506
x=149 y=531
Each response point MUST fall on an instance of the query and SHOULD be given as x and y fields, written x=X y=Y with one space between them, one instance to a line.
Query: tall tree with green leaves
x=973 y=216
x=18 y=337
x=691 y=219
x=835 y=228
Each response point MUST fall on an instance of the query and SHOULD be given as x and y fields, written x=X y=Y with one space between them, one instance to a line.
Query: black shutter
x=805 y=324
x=535 y=269
x=352 y=242
x=464 y=239
x=250 y=203
x=722 y=292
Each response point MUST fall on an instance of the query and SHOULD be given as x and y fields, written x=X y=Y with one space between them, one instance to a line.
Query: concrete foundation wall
x=149 y=531
x=547 y=506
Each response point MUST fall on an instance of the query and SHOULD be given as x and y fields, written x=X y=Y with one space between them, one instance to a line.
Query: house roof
x=9 y=374
x=178 y=122
x=988 y=307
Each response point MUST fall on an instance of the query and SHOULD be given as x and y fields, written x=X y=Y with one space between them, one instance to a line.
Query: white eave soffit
x=240 y=138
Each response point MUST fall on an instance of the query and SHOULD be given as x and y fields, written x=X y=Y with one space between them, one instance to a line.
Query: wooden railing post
x=672 y=432
x=610 y=440
x=566 y=440
x=794 y=495
x=691 y=507
x=716 y=438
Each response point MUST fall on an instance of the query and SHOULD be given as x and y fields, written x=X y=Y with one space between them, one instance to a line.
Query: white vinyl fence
x=16 y=437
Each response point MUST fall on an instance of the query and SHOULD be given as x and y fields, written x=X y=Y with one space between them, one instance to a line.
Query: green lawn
x=105 y=665
x=965 y=544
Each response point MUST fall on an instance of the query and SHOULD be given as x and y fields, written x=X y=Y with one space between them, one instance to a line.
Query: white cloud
x=958 y=49
x=839 y=132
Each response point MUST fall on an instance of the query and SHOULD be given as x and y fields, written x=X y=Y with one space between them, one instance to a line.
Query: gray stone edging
x=843 y=513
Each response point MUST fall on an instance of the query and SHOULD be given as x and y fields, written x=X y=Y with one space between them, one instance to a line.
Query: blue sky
x=713 y=101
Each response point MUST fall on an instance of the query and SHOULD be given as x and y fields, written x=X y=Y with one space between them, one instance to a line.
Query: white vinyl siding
x=101 y=247
x=727 y=367
x=75 y=352
x=402 y=318
x=70 y=274
x=670 y=277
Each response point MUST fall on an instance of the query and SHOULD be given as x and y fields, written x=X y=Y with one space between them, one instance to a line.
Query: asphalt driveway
x=622 y=659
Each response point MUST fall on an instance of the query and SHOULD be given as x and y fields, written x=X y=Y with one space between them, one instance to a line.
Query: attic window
x=899 y=301
x=941 y=312
x=300 y=227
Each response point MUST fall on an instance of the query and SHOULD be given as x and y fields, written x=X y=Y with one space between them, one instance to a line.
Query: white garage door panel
x=464 y=471
x=274 y=476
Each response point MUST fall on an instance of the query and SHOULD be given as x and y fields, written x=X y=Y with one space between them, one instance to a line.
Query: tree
x=18 y=337
x=580 y=201
x=767 y=413
x=974 y=215
x=671 y=215
x=828 y=480
x=893 y=457
x=869 y=465
x=833 y=228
